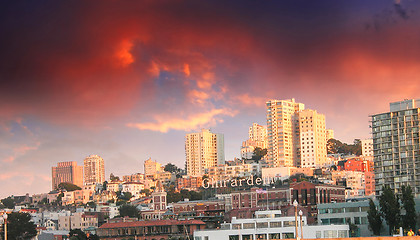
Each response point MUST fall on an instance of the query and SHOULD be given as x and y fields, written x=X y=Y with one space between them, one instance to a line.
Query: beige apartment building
x=296 y=136
x=67 y=172
x=313 y=143
x=257 y=137
x=94 y=169
x=151 y=168
x=203 y=150
x=283 y=132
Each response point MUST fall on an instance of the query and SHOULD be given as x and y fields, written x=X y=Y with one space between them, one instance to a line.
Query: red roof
x=166 y=222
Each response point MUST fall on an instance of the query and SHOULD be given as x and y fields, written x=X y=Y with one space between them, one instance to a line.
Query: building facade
x=283 y=132
x=367 y=147
x=396 y=146
x=147 y=230
x=151 y=168
x=67 y=172
x=313 y=143
x=271 y=225
x=94 y=169
x=203 y=150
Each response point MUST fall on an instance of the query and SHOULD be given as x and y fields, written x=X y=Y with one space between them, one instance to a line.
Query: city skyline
x=128 y=81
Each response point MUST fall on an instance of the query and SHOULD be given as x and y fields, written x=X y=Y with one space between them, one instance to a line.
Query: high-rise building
x=283 y=132
x=396 y=146
x=313 y=144
x=203 y=150
x=94 y=169
x=257 y=138
x=296 y=137
x=258 y=134
x=67 y=172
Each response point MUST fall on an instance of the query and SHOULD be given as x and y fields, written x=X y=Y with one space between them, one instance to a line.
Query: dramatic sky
x=128 y=79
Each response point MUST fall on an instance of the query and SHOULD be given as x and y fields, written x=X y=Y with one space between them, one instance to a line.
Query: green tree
x=68 y=186
x=145 y=191
x=126 y=196
x=9 y=202
x=113 y=178
x=407 y=200
x=129 y=210
x=19 y=226
x=172 y=168
x=374 y=219
x=336 y=146
x=77 y=234
x=259 y=153
x=390 y=208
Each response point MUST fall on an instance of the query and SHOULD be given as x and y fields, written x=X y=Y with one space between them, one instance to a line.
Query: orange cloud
x=193 y=122
x=123 y=54
x=187 y=69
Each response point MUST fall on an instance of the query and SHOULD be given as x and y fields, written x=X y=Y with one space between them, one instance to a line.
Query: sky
x=128 y=79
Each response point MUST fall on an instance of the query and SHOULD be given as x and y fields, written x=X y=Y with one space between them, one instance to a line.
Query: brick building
x=310 y=194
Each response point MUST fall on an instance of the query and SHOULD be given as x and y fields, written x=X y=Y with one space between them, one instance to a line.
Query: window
x=275 y=224
x=274 y=235
x=262 y=225
x=236 y=226
x=260 y=236
x=249 y=225
x=233 y=237
x=342 y=234
x=247 y=237
x=288 y=235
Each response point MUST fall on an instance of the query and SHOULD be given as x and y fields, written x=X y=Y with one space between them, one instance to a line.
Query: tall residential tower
x=94 y=169
x=283 y=132
x=203 y=150
x=296 y=137
x=396 y=146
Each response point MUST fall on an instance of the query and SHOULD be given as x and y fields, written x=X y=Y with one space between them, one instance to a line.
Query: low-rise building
x=345 y=213
x=134 y=188
x=144 y=230
x=271 y=225
x=77 y=220
x=189 y=182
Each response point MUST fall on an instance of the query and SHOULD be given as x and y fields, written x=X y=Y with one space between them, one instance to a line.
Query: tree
x=77 y=234
x=145 y=191
x=336 y=146
x=113 y=178
x=68 y=186
x=407 y=200
x=8 y=202
x=19 y=226
x=374 y=219
x=129 y=210
x=390 y=208
x=259 y=153
x=172 y=168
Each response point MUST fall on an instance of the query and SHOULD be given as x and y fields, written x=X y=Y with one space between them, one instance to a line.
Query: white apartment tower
x=94 y=170
x=283 y=132
x=313 y=141
x=203 y=150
